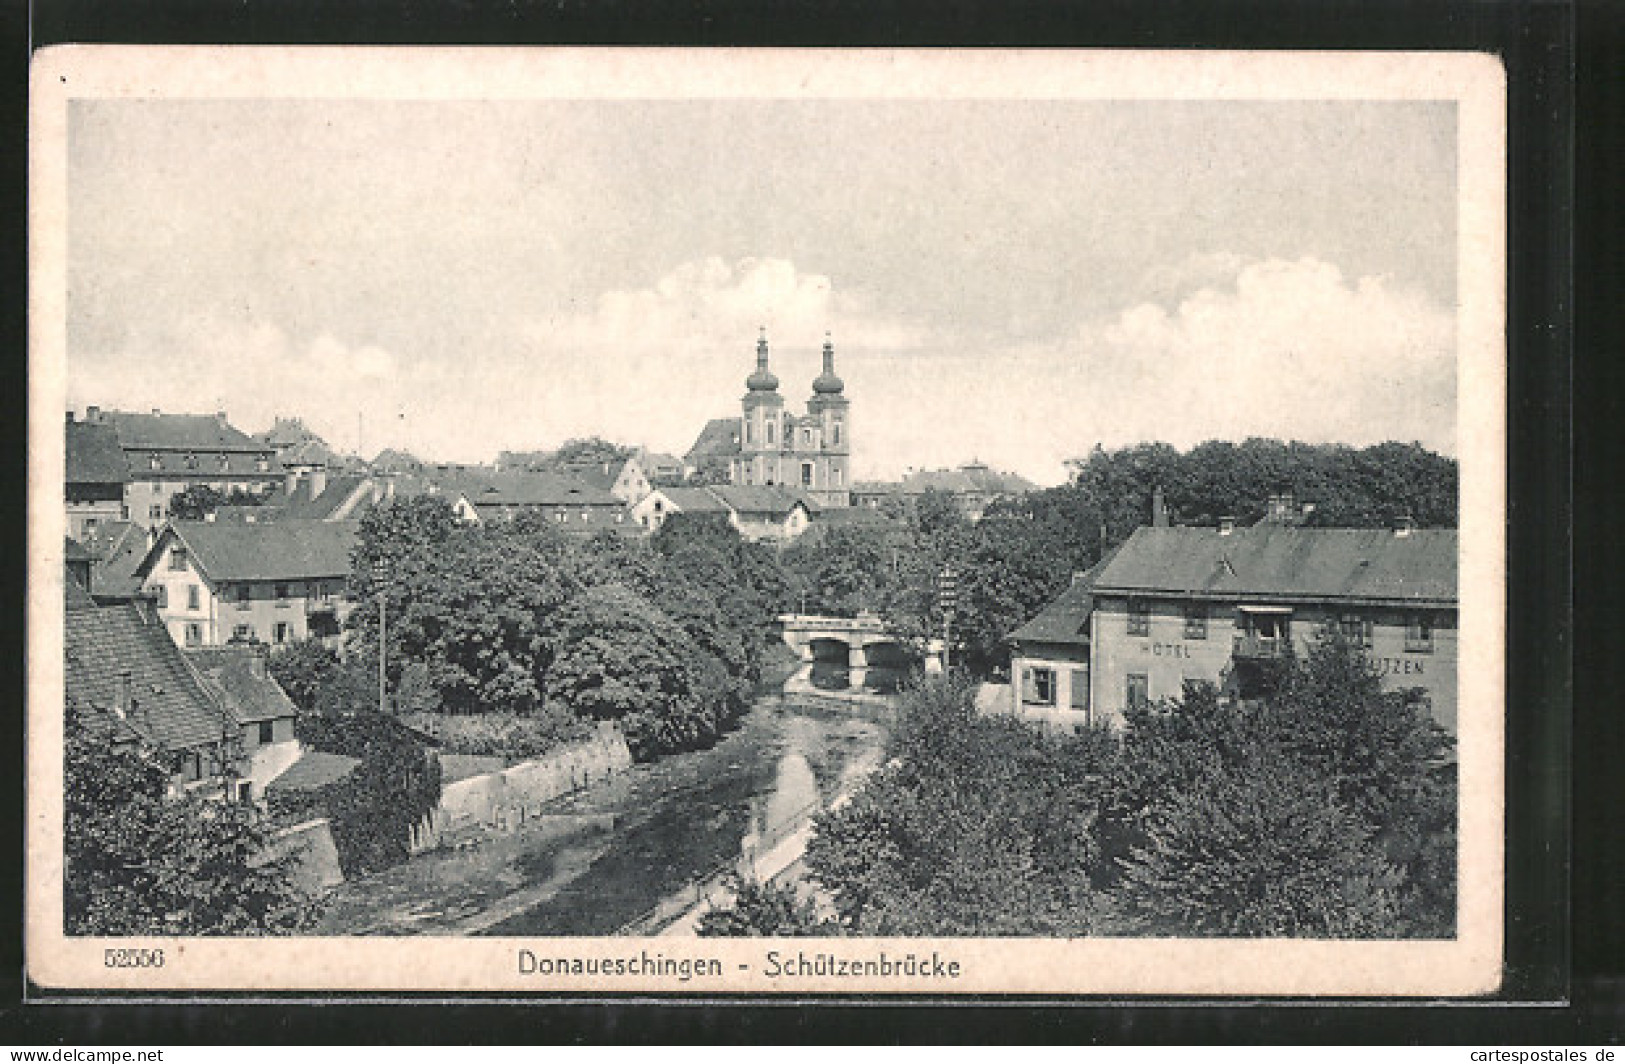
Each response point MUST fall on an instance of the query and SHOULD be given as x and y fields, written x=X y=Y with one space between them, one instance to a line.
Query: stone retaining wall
x=315 y=859
x=501 y=801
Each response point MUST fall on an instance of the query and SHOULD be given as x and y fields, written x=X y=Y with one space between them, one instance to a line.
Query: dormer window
x=191 y=461
x=225 y=464
x=153 y=462
x=263 y=463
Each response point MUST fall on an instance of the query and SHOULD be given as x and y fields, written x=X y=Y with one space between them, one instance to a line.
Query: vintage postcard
x=777 y=521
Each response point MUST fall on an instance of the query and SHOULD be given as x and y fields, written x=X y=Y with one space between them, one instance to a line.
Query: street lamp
x=378 y=574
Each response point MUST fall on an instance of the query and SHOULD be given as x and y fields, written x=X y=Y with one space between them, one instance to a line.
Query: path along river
x=604 y=858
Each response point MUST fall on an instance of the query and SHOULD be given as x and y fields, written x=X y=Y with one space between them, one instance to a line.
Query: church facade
x=808 y=452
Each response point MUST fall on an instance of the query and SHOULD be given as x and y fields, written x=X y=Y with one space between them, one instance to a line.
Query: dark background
x=1567 y=279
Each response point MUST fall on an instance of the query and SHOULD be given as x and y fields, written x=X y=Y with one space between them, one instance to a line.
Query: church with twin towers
x=810 y=452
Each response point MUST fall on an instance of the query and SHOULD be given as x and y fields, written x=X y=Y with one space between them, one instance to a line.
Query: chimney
x=318 y=481
x=93 y=413
x=209 y=517
x=1227 y=525
x=70 y=417
x=1404 y=525
x=220 y=416
x=157 y=412
x=256 y=659
x=290 y=482
x=1078 y=576
x=122 y=706
x=1159 y=509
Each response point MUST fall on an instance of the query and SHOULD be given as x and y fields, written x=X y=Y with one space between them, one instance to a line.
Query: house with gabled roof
x=236 y=676
x=759 y=512
x=95 y=478
x=1223 y=605
x=569 y=504
x=123 y=672
x=164 y=454
x=215 y=582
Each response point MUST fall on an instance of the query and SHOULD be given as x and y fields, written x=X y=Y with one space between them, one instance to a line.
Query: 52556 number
x=133 y=958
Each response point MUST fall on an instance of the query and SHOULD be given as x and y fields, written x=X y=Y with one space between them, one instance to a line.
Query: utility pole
x=947 y=598
x=383 y=627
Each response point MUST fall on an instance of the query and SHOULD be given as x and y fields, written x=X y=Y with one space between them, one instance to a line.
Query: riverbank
x=594 y=861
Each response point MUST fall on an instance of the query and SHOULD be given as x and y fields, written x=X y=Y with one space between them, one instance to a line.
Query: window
x=191 y=461
x=806 y=437
x=1080 y=689
x=225 y=464
x=1356 y=630
x=1139 y=617
x=586 y=515
x=280 y=632
x=194 y=597
x=194 y=635
x=242 y=593
x=1419 y=634
x=155 y=512
x=163 y=597
x=837 y=474
x=267 y=731
x=1038 y=686
x=806 y=474
x=152 y=463
x=1196 y=620
x=620 y=518
x=1139 y=690
x=770 y=431
x=243 y=633
x=263 y=463
x=281 y=594
x=558 y=517
x=749 y=433
x=836 y=434
x=177 y=560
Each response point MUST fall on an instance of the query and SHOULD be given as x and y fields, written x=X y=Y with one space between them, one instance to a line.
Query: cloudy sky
x=1014 y=281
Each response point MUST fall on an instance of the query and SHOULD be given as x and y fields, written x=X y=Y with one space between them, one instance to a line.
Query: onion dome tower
x=763 y=408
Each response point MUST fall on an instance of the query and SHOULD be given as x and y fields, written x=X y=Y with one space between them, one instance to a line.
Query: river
x=604 y=858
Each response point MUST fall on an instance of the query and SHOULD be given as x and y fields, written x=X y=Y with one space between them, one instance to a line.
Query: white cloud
x=1275 y=347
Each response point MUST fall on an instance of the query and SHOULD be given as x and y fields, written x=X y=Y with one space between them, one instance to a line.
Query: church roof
x=720 y=437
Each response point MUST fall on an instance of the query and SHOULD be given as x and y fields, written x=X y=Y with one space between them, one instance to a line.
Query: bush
x=510 y=735
x=372 y=811
x=766 y=910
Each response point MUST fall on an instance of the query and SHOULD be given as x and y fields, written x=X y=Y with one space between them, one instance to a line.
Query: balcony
x=1260 y=648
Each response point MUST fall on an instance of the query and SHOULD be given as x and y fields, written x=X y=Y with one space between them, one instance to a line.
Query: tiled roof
x=240 y=683
x=761 y=499
x=656 y=461
x=288 y=432
x=971 y=479
x=720 y=437
x=178 y=432
x=74 y=551
x=528 y=489
x=694 y=500
x=314 y=769
x=1282 y=562
x=391 y=460
x=281 y=550
x=75 y=597
x=169 y=706
x=106 y=537
x=1066 y=618
x=337 y=492
x=114 y=576
x=307 y=452
x=94 y=455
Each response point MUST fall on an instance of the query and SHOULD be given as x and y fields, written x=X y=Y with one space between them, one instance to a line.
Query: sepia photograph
x=785 y=522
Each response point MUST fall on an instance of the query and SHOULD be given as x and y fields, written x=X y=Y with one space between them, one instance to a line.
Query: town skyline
x=1008 y=281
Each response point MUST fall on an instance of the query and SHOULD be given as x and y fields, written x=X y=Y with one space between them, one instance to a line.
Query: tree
x=198 y=501
x=139 y=863
x=765 y=910
x=592 y=452
x=978 y=826
x=616 y=657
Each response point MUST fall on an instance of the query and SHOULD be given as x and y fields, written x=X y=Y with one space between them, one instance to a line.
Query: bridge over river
x=850 y=657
